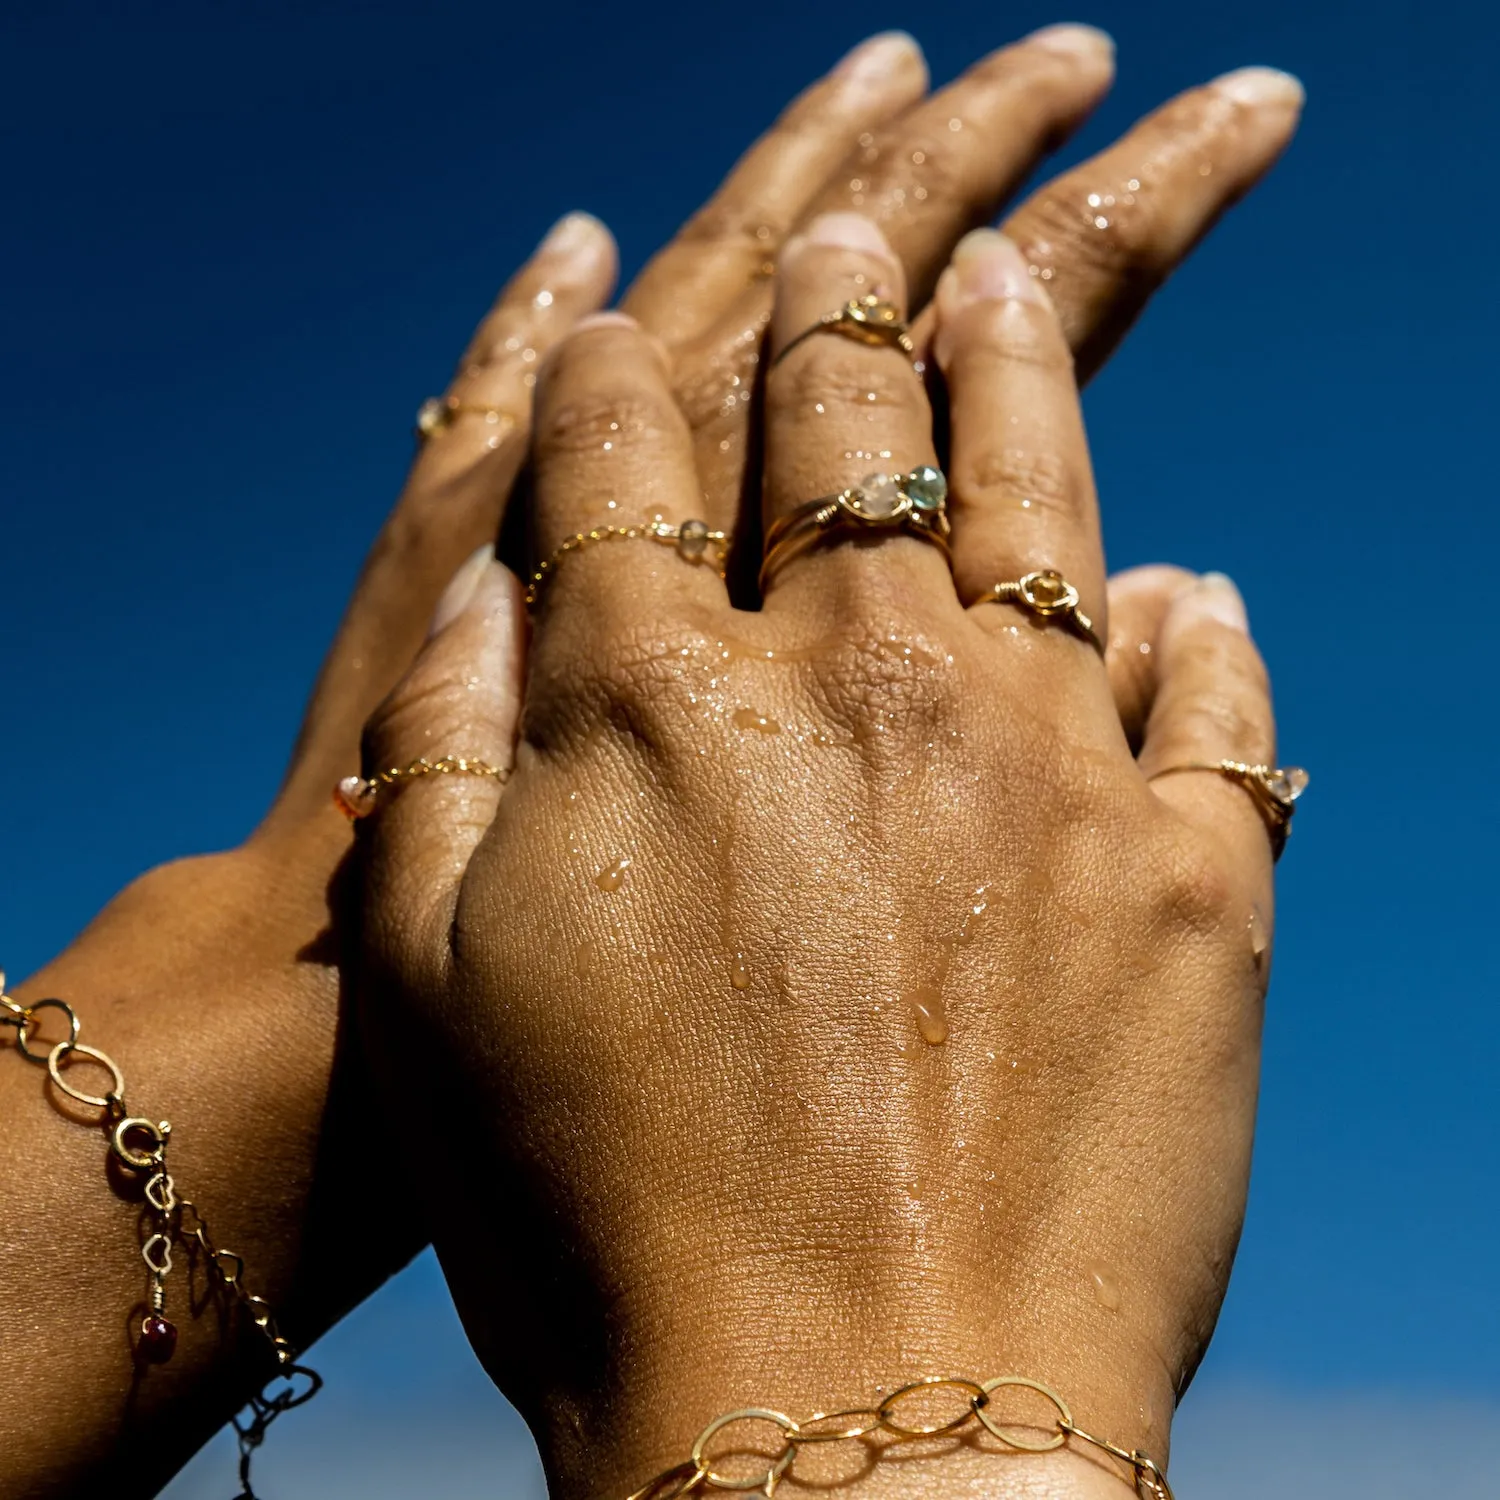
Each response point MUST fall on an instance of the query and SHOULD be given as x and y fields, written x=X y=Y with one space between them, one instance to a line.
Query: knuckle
x=1005 y=477
x=834 y=378
x=716 y=381
x=1111 y=233
x=736 y=224
x=637 y=681
x=602 y=422
x=918 y=168
x=1193 y=891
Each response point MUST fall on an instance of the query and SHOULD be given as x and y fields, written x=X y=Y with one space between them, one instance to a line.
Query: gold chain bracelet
x=697 y=1472
x=140 y=1146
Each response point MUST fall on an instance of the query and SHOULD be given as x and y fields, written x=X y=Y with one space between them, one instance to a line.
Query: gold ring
x=868 y=320
x=914 y=503
x=693 y=540
x=438 y=413
x=356 y=797
x=1274 y=790
x=1046 y=594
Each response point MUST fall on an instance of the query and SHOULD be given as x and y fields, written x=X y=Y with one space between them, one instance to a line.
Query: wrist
x=677 y=1361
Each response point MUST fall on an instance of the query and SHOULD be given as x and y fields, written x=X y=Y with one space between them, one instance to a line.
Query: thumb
x=436 y=753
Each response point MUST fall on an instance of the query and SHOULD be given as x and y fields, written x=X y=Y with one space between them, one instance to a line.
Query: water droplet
x=739 y=972
x=1260 y=936
x=613 y=876
x=543 y=299
x=1106 y=1285
x=747 y=718
x=583 y=959
x=930 y=1014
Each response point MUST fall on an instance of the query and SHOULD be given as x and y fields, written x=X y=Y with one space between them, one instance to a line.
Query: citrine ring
x=1046 y=594
x=868 y=320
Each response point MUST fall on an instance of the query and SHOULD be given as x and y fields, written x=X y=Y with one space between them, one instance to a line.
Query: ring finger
x=1022 y=487
x=839 y=409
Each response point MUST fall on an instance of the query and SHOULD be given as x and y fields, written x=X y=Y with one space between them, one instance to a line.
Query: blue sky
x=245 y=241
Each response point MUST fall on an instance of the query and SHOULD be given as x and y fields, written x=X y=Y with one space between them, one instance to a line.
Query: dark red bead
x=158 y=1339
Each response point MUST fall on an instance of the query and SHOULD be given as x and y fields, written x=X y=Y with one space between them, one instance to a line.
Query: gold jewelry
x=438 y=413
x=694 y=542
x=867 y=320
x=1046 y=594
x=356 y=797
x=139 y=1146
x=915 y=503
x=697 y=1473
x=1274 y=790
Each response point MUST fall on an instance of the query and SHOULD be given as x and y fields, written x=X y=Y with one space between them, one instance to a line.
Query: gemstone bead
x=692 y=538
x=355 y=797
x=1287 y=785
x=432 y=416
x=927 y=487
x=879 y=497
x=158 y=1339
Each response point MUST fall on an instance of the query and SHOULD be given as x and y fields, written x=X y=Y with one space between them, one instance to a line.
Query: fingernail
x=1075 y=39
x=461 y=588
x=987 y=267
x=575 y=236
x=605 y=320
x=1260 y=86
x=847 y=232
x=879 y=58
x=1213 y=597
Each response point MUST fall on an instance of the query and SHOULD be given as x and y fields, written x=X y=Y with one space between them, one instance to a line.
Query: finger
x=611 y=456
x=462 y=699
x=925 y=177
x=452 y=501
x=837 y=409
x=1022 y=488
x=1213 y=703
x=738 y=231
x=948 y=163
x=1105 y=235
x=1139 y=599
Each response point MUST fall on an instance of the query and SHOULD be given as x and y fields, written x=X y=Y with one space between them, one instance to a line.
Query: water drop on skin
x=584 y=959
x=613 y=876
x=930 y=1014
x=748 y=719
x=1260 y=936
x=1105 y=1284
x=739 y=972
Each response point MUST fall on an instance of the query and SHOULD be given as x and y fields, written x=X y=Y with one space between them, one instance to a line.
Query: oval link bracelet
x=140 y=1146
x=697 y=1472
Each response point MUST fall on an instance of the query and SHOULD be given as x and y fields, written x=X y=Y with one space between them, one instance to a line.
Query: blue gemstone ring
x=914 y=503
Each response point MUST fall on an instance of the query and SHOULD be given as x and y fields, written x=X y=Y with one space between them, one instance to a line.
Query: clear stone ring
x=914 y=503
x=1274 y=789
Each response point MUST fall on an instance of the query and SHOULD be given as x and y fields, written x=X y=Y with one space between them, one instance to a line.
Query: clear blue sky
x=243 y=241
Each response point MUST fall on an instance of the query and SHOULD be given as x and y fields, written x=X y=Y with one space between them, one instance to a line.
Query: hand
x=831 y=997
x=213 y=980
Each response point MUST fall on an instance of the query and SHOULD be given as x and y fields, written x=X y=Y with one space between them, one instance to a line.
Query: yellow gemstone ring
x=867 y=320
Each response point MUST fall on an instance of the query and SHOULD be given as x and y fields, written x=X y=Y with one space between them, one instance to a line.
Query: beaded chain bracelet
x=697 y=1473
x=140 y=1146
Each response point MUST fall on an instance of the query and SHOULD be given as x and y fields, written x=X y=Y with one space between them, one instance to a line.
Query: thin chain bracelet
x=697 y=1472
x=140 y=1146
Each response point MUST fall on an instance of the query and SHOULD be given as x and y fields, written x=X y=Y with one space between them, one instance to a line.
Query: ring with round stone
x=694 y=541
x=868 y=320
x=1274 y=789
x=438 y=413
x=915 y=504
x=1046 y=594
